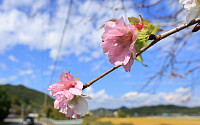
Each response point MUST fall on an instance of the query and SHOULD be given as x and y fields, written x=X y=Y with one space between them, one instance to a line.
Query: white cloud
x=12 y=78
x=97 y=65
x=8 y=79
x=3 y=80
x=53 y=67
x=21 y=73
x=135 y=99
x=46 y=73
x=26 y=72
x=84 y=59
x=3 y=66
x=43 y=32
x=12 y=58
x=127 y=75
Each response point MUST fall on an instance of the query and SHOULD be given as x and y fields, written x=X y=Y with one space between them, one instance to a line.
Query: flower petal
x=69 y=112
x=193 y=13
x=109 y=25
x=127 y=67
x=120 y=22
x=75 y=91
x=87 y=97
x=56 y=104
x=81 y=107
x=68 y=95
x=79 y=85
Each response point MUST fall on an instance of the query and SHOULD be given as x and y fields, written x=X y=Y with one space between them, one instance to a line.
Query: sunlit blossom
x=119 y=43
x=68 y=95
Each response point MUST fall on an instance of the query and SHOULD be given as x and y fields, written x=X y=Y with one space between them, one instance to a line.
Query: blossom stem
x=156 y=39
x=99 y=77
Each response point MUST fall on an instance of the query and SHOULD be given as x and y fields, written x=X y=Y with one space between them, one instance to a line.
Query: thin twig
x=99 y=77
x=157 y=39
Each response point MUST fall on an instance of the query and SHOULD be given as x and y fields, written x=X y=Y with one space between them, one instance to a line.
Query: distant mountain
x=150 y=110
x=20 y=94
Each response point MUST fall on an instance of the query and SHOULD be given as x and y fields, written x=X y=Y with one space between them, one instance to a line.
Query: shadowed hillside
x=20 y=94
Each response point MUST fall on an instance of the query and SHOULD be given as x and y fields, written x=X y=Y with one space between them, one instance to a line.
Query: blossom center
x=126 y=39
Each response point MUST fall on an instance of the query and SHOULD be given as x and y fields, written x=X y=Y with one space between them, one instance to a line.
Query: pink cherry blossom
x=68 y=95
x=118 y=43
x=67 y=86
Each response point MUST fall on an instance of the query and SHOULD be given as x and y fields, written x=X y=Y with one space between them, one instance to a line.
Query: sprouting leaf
x=77 y=78
x=155 y=29
x=143 y=35
x=133 y=20
x=139 y=58
x=142 y=20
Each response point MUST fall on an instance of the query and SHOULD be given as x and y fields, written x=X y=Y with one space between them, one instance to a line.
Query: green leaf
x=155 y=29
x=142 y=19
x=143 y=40
x=139 y=58
x=133 y=20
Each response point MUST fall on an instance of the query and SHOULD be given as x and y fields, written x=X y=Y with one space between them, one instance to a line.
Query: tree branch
x=156 y=39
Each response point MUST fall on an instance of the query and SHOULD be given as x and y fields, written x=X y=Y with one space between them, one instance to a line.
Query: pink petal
x=75 y=91
x=120 y=22
x=68 y=95
x=69 y=112
x=118 y=43
x=132 y=49
x=119 y=55
x=127 y=67
x=106 y=46
x=79 y=85
x=109 y=25
x=63 y=76
x=78 y=116
x=56 y=104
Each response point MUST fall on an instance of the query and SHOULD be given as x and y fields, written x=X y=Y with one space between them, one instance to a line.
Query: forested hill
x=20 y=94
x=168 y=110
x=160 y=109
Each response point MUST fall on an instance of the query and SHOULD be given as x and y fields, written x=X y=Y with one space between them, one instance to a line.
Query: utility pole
x=22 y=110
x=45 y=99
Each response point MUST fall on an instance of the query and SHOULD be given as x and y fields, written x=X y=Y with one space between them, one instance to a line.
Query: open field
x=151 y=121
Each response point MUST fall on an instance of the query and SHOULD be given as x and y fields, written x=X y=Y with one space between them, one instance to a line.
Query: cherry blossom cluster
x=120 y=42
x=68 y=95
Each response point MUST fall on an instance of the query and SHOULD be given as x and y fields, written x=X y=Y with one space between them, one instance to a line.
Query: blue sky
x=31 y=33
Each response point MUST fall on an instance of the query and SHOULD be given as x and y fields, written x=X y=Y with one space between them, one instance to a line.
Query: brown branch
x=156 y=39
x=99 y=77
x=149 y=5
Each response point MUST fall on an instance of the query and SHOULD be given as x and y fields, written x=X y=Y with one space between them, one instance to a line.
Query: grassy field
x=151 y=121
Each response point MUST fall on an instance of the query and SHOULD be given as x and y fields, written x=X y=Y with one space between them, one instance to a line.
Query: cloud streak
x=135 y=99
x=43 y=31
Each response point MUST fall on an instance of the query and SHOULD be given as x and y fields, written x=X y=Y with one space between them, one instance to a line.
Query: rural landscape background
x=41 y=38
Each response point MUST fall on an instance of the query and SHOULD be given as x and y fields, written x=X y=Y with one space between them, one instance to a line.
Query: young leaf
x=139 y=58
x=142 y=20
x=133 y=20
